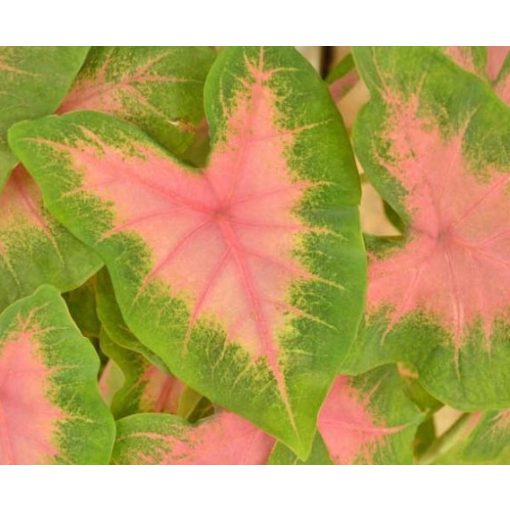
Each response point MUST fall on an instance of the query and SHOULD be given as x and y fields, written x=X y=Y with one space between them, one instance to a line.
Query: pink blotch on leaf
x=224 y=438
x=456 y=264
x=350 y=430
x=28 y=418
x=162 y=392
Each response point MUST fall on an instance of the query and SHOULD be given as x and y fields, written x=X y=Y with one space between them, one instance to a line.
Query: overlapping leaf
x=223 y=438
x=147 y=388
x=367 y=419
x=342 y=78
x=34 y=248
x=433 y=142
x=50 y=408
x=491 y=63
x=159 y=89
x=246 y=279
x=33 y=82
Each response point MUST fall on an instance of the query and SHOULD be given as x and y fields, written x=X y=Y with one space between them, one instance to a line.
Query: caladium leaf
x=367 y=419
x=147 y=388
x=342 y=78
x=33 y=81
x=159 y=89
x=246 y=278
x=50 y=408
x=224 y=438
x=433 y=142
x=491 y=63
x=34 y=248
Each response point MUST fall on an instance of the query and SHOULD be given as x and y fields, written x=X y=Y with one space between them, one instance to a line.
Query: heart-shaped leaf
x=223 y=438
x=433 y=141
x=159 y=89
x=33 y=81
x=247 y=278
x=34 y=248
x=50 y=408
x=367 y=419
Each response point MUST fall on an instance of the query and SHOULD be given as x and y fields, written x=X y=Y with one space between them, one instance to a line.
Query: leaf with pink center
x=34 y=248
x=245 y=278
x=366 y=419
x=33 y=81
x=224 y=438
x=50 y=408
x=159 y=89
x=432 y=141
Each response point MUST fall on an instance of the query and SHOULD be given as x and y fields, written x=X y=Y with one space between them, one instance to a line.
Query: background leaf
x=34 y=81
x=50 y=408
x=432 y=141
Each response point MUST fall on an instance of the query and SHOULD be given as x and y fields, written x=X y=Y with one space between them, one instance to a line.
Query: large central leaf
x=247 y=278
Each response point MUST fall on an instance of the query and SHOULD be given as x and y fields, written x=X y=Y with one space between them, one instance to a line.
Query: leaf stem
x=444 y=443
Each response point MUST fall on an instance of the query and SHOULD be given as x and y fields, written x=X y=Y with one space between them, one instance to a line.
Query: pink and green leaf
x=245 y=278
x=433 y=141
x=491 y=63
x=159 y=89
x=366 y=419
x=33 y=82
x=224 y=438
x=34 y=248
x=147 y=388
x=50 y=407
x=342 y=78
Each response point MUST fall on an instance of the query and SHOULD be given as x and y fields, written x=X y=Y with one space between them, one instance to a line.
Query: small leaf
x=34 y=248
x=246 y=278
x=146 y=388
x=50 y=408
x=367 y=419
x=433 y=142
x=33 y=82
x=223 y=438
x=159 y=89
x=342 y=78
